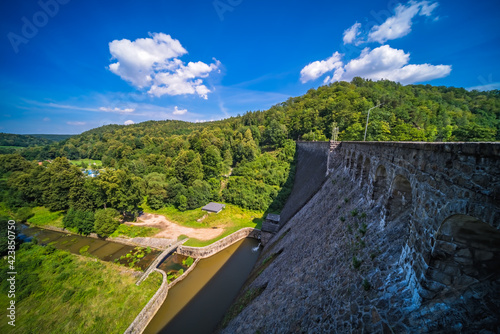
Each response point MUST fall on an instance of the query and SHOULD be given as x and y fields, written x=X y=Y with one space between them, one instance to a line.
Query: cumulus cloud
x=129 y=122
x=384 y=62
x=351 y=33
x=124 y=110
x=178 y=111
x=76 y=123
x=400 y=24
x=317 y=68
x=153 y=63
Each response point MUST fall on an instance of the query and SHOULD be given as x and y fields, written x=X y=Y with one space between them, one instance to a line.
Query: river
x=198 y=303
x=102 y=249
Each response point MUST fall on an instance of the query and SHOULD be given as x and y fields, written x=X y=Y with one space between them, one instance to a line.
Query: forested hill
x=9 y=139
x=407 y=113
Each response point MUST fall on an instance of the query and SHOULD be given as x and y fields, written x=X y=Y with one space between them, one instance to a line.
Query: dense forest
x=245 y=160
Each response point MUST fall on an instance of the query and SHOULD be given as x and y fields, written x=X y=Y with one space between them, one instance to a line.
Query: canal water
x=198 y=303
x=102 y=249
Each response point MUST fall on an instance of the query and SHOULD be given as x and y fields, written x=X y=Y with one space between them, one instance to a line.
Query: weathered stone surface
x=402 y=273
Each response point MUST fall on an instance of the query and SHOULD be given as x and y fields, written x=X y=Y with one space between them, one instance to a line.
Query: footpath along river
x=198 y=303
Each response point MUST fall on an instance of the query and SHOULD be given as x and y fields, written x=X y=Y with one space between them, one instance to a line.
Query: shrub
x=366 y=285
x=356 y=263
x=188 y=262
x=363 y=229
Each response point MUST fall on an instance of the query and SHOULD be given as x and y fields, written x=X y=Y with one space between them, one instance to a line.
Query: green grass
x=65 y=293
x=134 y=231
x=232 y=218
x=87 y=162
x=42 y=217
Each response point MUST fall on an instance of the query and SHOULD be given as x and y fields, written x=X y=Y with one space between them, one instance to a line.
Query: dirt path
x=171 y=230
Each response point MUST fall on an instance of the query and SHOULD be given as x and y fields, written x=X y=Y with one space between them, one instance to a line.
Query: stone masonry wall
x=148 y=312
x=310 y=174
x=360 y=256
x=204 y=252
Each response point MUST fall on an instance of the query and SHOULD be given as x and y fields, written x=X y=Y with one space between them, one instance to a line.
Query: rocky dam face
x=388 y=238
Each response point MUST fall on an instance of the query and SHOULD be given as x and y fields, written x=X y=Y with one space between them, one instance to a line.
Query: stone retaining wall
x=184 y=275
x=204 y=252
x=149 y=311
x=157 y=261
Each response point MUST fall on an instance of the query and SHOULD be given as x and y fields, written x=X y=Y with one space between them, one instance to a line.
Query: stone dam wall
x=310 y=173
x=400 y=238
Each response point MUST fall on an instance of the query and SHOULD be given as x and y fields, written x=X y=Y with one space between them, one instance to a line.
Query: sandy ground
x=170 y=230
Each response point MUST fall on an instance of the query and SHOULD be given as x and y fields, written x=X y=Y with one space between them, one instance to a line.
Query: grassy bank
x=43 y=217
x=231 y=219
x=129 y=231
x=57 y=292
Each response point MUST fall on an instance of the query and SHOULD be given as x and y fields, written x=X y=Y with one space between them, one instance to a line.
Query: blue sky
x=67 y=66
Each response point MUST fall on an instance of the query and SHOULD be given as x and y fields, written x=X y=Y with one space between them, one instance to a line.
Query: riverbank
x=58 y=292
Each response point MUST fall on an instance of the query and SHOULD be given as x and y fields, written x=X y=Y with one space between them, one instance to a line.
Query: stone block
x=467 y=261
x=447 y=247
x=439 y=276
x=464 y=253
x=481 y=255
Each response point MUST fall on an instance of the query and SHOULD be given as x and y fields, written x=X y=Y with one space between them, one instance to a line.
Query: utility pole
x=367 y=117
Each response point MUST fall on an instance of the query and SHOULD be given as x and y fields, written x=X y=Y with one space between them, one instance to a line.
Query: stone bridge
x=448 y=194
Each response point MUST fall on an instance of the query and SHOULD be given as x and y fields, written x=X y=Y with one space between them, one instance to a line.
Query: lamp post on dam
x=368 y=117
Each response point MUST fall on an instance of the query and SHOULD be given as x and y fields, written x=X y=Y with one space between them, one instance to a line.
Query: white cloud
x=351 y=33
x=46 y=119
x=154 y=63
x=178 y=111
x=124 y=110
x=129 y=122
x=317 y=68
x=76 y=123
x=399 y=25
x=385 y=62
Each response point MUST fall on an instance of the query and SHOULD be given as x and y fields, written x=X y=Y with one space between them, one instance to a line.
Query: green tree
x=156 y=190
x=122 y=190
x=56 y=181
x=182 y=203
x=85 y=222
x=106 y=222
x=212 y=162
x=275 y=133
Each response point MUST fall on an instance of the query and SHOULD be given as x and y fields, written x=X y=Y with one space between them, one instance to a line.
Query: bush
x=106 y=222
x=188 y=262
x=366 y=285
x=356 y=263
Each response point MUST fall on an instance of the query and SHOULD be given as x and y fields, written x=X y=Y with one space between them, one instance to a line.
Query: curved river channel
x=198 y=303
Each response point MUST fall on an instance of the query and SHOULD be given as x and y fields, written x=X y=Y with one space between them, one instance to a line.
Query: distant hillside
x=10 y=139
x=56 y=138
